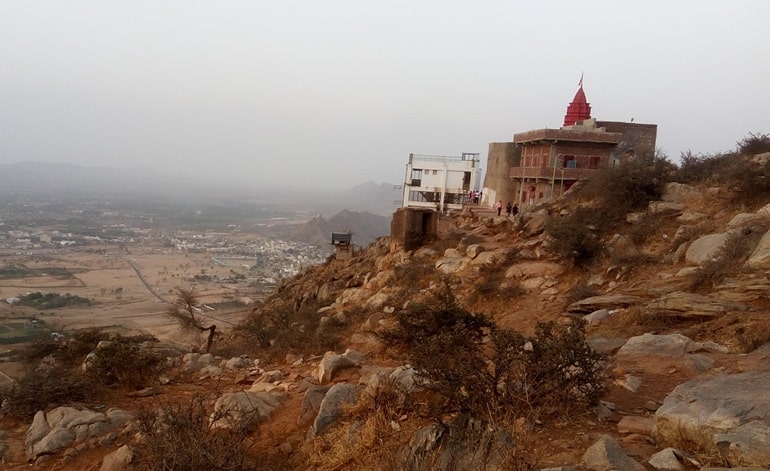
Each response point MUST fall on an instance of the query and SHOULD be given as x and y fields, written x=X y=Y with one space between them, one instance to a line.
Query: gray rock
x=608 y=345
x=746 y=444
x=609 y=301
x=687 y=305
x=705 y=249
x=332 y=363
x=674 y=192
x=666 y=460
x=118 y=460
x=658 y=354
x=760 y=257
x=474 y=250
x=731 y=411
x=330 y=410
x=58 y=429
x=243 y=409
x=597 y=317
x=636 y=424
x=311 y=403
x=606 y=455
x=664 y=207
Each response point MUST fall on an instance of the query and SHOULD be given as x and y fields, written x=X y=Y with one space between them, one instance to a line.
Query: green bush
x=124 y=362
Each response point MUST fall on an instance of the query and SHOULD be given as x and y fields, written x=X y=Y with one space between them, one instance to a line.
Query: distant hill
x=366 y=227
x=369 y=196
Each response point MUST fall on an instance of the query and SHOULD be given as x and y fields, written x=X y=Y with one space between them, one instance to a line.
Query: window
x=435 y=172
x=593 y=162
x=570 y=161
x=416 y=177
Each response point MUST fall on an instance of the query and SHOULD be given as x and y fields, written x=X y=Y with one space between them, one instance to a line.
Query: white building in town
x=440 y=182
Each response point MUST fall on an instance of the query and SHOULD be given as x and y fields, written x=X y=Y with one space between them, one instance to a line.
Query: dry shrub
x=46 y=387
x=282 y=328
x=753 y=335
x=367 y=439
x=650 y=319
x=754 y=143
x=579 y=292
x=477 y=368
x=67 y=348
x=180 y=437
x=606 y=200
x=123 y=361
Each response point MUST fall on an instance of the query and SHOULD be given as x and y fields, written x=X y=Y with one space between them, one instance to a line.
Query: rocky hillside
x=624 y=329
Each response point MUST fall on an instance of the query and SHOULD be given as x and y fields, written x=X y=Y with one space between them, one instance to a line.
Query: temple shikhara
x=544 y=163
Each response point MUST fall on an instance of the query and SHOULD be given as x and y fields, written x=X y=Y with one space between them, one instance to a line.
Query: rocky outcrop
x=662 y=354
x=609 y=301
x=332 y=363
x=686 y=305
x=63 y=426
x=330 y=410
x=244 y=409
x=760 y=257
x=730 y=413
x=607 y=455
x=705 y=249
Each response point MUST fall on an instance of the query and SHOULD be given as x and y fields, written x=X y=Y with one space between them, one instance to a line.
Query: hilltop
x=622 y=326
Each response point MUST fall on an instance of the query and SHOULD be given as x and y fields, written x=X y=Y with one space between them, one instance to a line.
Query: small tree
x=185 y=311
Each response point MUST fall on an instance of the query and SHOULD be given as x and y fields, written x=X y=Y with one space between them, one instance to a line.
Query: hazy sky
x=333 y=93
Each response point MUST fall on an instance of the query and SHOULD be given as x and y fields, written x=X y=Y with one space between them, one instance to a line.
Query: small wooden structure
x=343 y=245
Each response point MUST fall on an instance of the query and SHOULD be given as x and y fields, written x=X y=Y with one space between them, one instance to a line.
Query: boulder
x=666 y=460
x=636 y=424
x=330 y=409
x=332 y=363
x=118 y=460
x=243 y=409
x=705 y=249
x=596 y=317
x=58 y=429
x=474 y=250
x=311 y=403
x=731 y=412
x=606 y=455
x=690 y=217
x=664 y=207
x=609 y=301
x=674 y=192
x=536 y=224
x=660 y=354
x=747 y=219
x=760 y=257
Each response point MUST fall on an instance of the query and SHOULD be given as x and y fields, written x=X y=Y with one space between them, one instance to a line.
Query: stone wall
x=497 y=182
x=411 y=227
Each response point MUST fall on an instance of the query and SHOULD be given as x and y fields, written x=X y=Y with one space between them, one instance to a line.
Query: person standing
x=508 y=208
x=515 y=210
x=499 y=206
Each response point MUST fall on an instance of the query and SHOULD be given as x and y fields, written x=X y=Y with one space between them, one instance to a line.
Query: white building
x=440 y=181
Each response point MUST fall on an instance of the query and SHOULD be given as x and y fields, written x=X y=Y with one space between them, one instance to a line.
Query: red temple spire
x=579 y=109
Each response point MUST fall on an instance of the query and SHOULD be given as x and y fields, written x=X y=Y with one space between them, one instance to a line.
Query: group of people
x=474 y=196
x=509 y=208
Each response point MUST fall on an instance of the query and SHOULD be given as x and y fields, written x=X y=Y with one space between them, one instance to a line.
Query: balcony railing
x=559 y=173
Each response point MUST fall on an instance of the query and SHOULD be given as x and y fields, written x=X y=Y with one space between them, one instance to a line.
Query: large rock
x=332 y=363
x=705 y=249
x=311 y=404
x=330 y=410
x=58 y=429
x=660 y=354
x=606 y=455
x=686 y=305
x=609 y=301
x=118 y=460
x=244 y=409
x=664 y=207
x=679 y=193
x=760 y=257
x=730 y=412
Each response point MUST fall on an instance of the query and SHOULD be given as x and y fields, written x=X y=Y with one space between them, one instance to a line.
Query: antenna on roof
x=580 y=83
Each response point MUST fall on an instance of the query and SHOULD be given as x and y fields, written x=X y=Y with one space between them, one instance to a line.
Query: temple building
x=544 y=163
